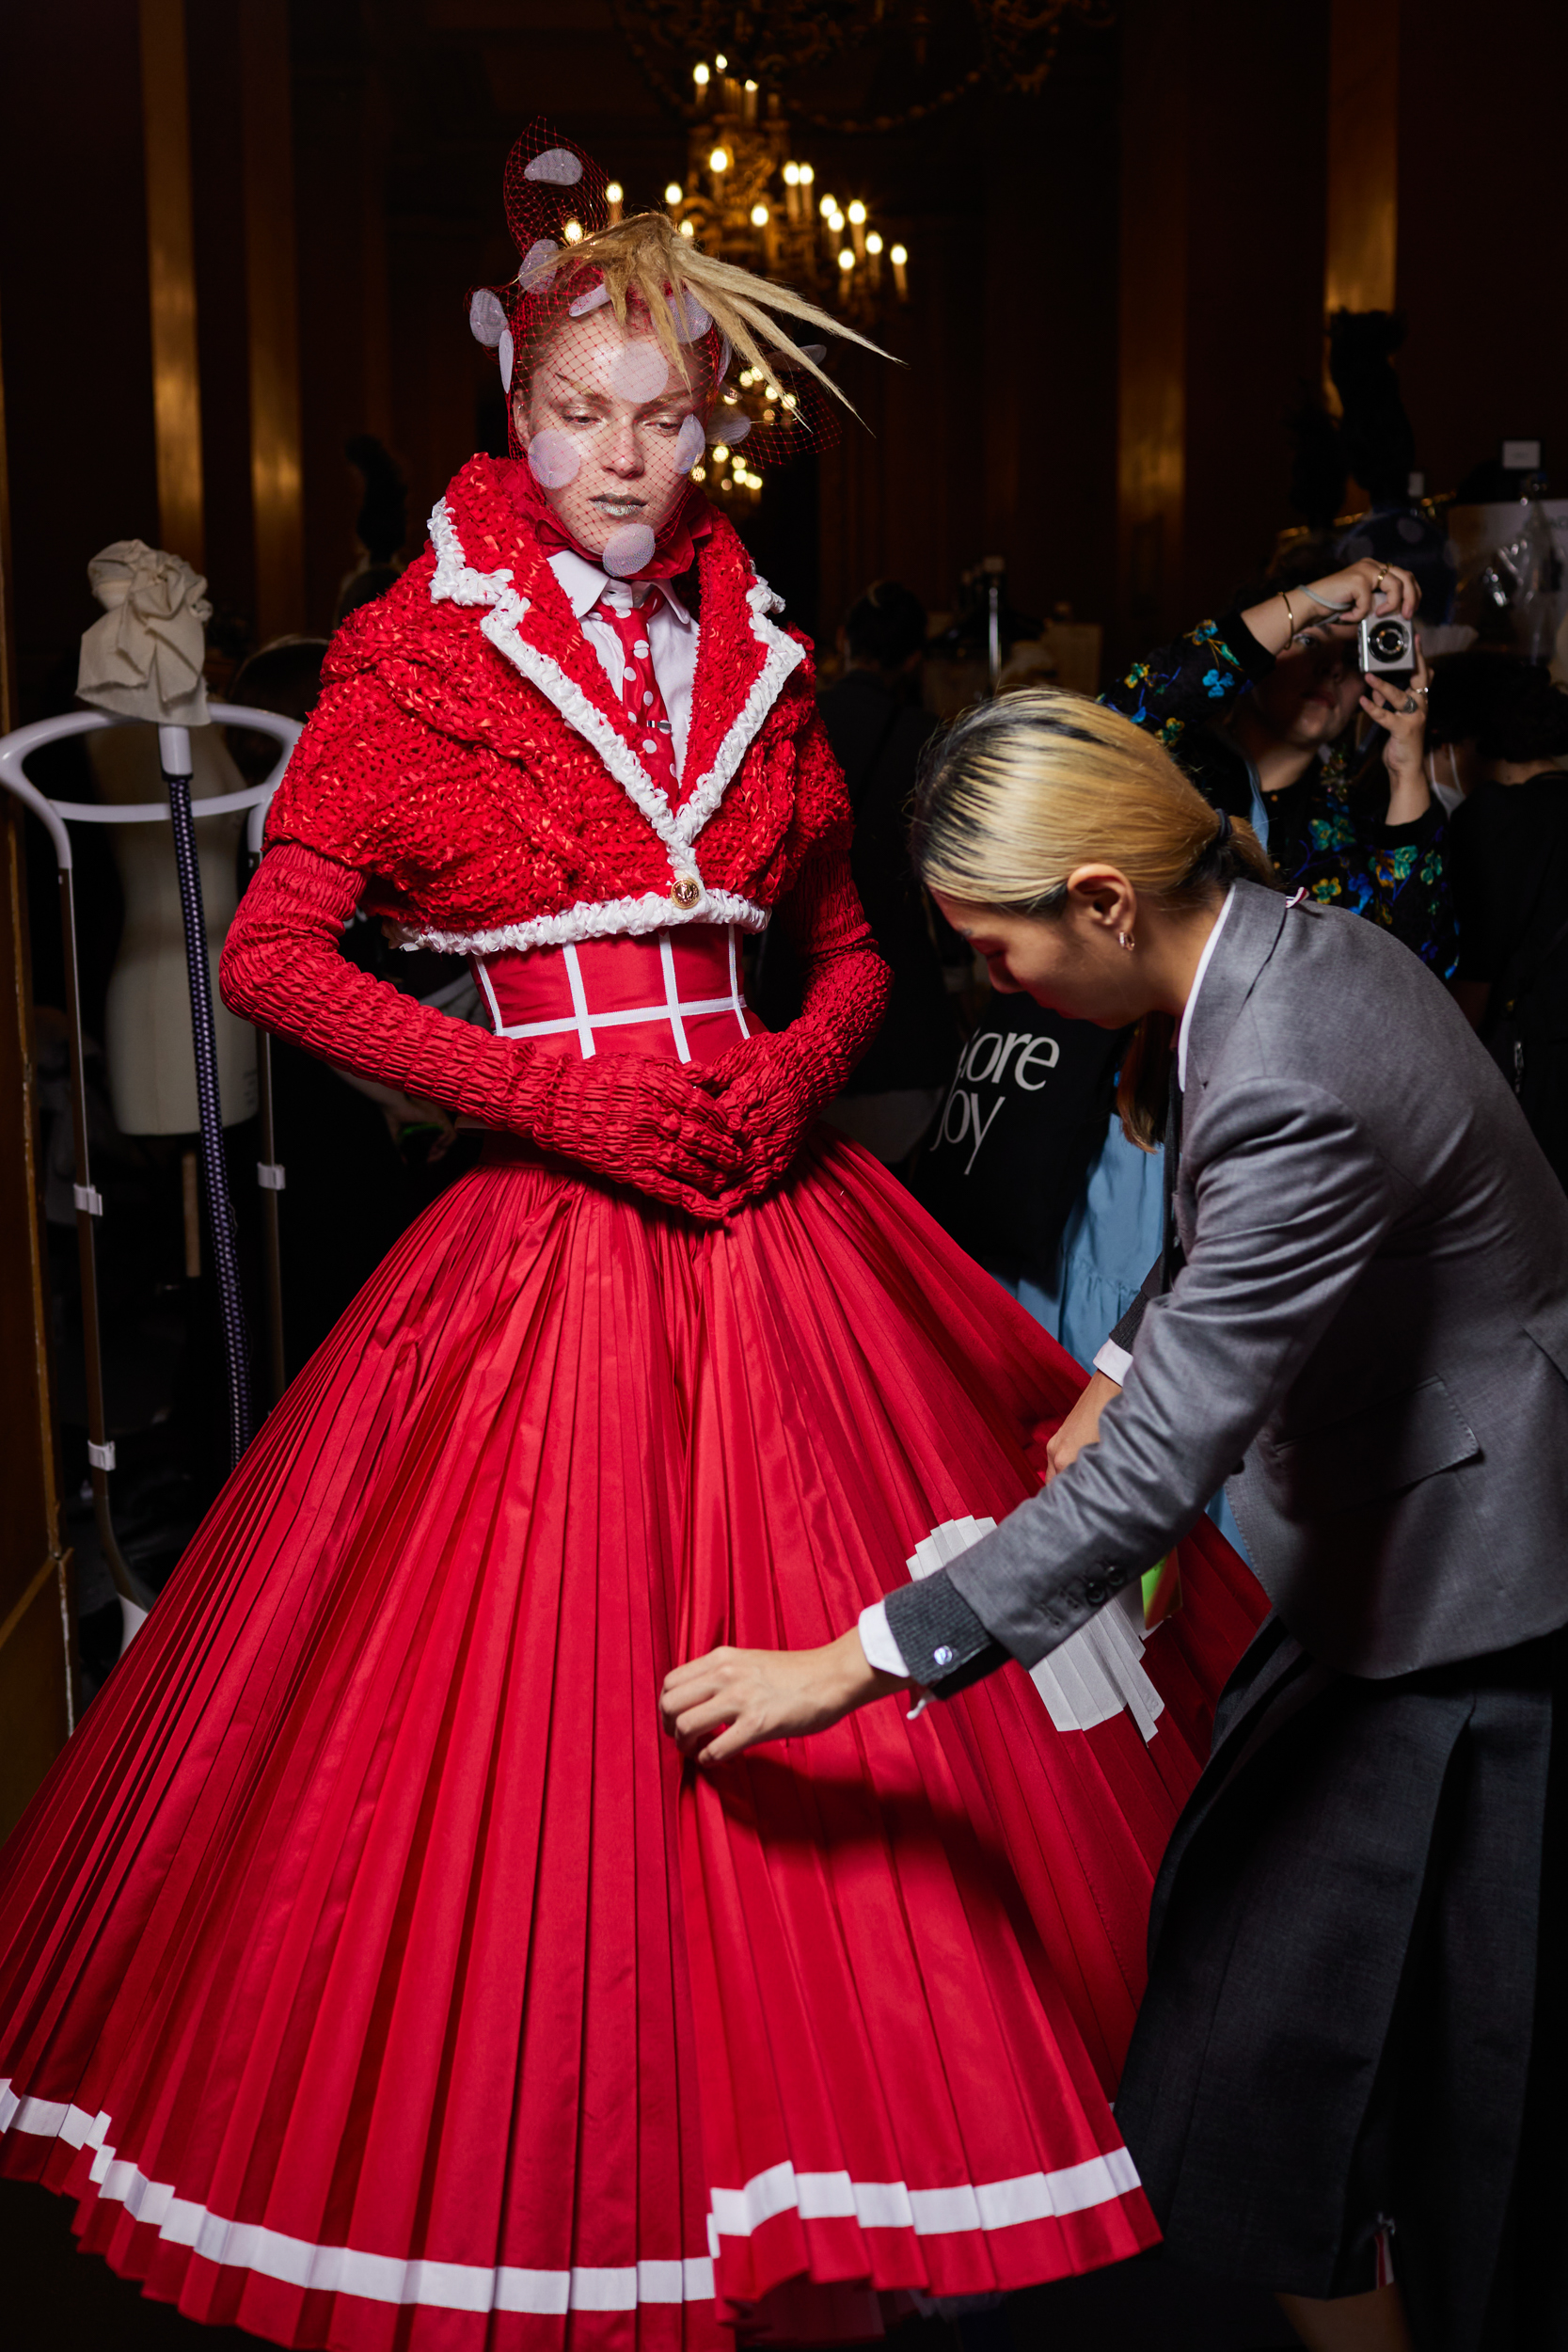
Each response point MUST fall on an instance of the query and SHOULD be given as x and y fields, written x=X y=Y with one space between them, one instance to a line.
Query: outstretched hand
x=732 y=1699
x=1335 y=606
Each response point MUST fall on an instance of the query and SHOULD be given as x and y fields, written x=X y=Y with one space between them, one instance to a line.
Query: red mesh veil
x=556 y=203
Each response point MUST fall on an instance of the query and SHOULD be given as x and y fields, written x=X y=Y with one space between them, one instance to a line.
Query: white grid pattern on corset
x=675 y=1009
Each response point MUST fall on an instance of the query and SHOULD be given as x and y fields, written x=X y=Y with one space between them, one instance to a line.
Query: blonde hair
x=647 y=261
x=1022 y=792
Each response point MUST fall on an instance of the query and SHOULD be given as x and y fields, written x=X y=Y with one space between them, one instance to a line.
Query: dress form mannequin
x=148 y=1020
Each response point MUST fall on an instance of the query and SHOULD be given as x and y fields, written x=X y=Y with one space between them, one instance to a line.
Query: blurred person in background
x=877 y=730
x=1504 y=728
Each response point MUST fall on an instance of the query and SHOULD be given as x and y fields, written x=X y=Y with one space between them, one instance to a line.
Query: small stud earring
x=1124 y=939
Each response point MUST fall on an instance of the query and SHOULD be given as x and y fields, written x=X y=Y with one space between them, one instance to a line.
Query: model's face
x=1071 y=963
x=1312 y=693
x=611 y=432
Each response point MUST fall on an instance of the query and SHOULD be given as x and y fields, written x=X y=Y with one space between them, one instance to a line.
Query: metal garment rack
x=56 y=816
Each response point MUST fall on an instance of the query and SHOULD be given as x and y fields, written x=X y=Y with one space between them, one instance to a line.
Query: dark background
x=1117 y=286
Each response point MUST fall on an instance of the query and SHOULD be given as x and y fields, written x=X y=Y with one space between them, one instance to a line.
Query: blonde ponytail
x=1023 y=791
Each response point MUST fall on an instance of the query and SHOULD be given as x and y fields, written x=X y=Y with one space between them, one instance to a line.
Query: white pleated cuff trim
x=344 y=2270
x=610 y=918
x=1090 y=1678
x=972 y=2205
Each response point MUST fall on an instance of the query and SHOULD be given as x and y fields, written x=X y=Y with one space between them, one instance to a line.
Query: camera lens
x=1388 y=640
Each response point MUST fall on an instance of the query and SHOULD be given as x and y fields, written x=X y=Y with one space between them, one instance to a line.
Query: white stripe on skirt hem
x=929 y=2212
x=474 y=2287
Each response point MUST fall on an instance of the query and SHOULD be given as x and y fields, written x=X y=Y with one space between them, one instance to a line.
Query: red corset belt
x=671 y=995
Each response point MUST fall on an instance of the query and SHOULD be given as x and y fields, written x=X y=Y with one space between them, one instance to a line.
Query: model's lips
x=609 y=504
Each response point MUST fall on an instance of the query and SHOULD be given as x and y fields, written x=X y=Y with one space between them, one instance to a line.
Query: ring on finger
x=1410 y=705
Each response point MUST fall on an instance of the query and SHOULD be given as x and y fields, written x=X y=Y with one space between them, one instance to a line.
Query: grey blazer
x=1367 y=1342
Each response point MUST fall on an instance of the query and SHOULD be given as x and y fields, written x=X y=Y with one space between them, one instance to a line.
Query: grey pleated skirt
x=1355 y=2029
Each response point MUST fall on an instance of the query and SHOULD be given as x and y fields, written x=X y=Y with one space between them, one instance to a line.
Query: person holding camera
x=1258 y=709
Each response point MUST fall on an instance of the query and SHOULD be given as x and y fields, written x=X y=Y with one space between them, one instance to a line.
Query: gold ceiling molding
x=906 y=60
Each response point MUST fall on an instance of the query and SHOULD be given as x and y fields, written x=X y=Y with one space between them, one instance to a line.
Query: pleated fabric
x=370 y=1968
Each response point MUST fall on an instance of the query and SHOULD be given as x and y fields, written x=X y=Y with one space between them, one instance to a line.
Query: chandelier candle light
x=749 y=199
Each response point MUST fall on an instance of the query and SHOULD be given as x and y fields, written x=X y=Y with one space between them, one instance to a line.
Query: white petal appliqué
x=627 y=549
x=639 y=371
x=593 y=300
x=486 y=317
x=558 y=166
x=553 y=460
x=538 y=261
x=690 y=444
x=691 y=319
x=503 y=353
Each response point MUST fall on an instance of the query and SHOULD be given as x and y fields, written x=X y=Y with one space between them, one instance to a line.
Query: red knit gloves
x=643 y=1123
x=771 y=1087
x=702 y=1141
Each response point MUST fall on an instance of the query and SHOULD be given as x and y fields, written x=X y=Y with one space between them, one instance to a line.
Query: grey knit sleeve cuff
x=941 y=1639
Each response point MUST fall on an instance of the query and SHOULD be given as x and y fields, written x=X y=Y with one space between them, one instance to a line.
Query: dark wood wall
x=1117 y=288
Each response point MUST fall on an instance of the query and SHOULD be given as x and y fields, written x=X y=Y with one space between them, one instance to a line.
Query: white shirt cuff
x=1114 y=1362
x=882 y=1650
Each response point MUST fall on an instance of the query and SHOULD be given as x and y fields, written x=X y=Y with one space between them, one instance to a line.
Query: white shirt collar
x=584 y=584
x=1209 y=947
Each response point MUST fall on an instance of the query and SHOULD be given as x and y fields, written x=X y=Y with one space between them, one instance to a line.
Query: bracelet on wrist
x=1290 y=616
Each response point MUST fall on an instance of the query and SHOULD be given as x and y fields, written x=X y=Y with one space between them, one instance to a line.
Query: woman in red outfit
x=369 y=1967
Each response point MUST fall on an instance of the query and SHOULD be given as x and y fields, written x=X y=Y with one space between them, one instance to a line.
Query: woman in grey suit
x=1344 y=2069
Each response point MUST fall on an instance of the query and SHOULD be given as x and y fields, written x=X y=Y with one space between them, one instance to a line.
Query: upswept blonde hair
x=645 y=260
x=1021 y=792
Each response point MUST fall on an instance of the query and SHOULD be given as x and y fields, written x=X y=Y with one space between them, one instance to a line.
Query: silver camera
x=1387 y=647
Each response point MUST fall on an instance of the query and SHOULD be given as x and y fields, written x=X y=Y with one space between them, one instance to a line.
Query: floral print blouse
x=1327 y=833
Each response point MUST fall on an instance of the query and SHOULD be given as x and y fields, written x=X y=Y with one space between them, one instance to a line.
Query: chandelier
x=858 y=66
x=750 y=200
x=747 y=197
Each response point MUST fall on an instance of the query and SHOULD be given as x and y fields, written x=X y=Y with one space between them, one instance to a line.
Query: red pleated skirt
x=371 y=1967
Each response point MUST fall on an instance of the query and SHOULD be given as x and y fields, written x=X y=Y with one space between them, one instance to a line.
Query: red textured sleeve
x=358 y=781
x=642 y=1124
x=772 y=1088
